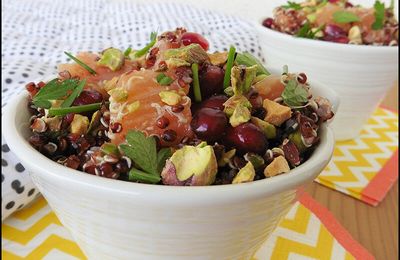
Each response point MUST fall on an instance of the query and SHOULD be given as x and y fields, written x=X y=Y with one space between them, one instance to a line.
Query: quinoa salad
x=337 y=21
x=173 y=113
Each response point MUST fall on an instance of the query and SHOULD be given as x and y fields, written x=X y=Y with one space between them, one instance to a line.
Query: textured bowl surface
x=361 y=75
x=112 y=219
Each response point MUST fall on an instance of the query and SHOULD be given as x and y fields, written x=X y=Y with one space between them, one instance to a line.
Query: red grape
x=268 y=22
x=246 y=138
x=211 y=80
x=88 y=97
x=215 y=102
x=190 y=37
x=209 y=124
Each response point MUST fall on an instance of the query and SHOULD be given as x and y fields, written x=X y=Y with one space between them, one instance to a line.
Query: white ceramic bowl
x=112 y=219
x=361 y=75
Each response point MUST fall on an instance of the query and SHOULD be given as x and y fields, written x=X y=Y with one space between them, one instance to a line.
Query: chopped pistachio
x=268 y=129
x=170 y=97
x=234 y=101
x=119 y=94
x=255 y=159
x=132 y=107
x=229 y=91
x=195 y=165
x=175 y=63
x=240 y=115
x=95 y=121
x=246 y=174
x=111 y=84
x=192 y=53
x=297 y=140
x=110 y=149
x=79 y=124
x=311 y=17
x=355 y=35
x=276 y=113
x=242 y=78
x=277 y=166
x=259 y=78
x=112 y=58
x=226 y=157
x=218 y=58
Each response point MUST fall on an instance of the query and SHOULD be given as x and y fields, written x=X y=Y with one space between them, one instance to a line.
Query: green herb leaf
x=249 y=60
x=77 y=91
x=306 y=31
x=196 y=82
x=345 y=17
x=145 y=49
x=162 y=157
x=54 y=90
x=292 y=5
x=164 y=80
x=137 y=175
x=81 y=63
x=142 y=150
x=229 y=65
x=127 y=51
x=294 y=95
x=379 y=15
x=61 y=111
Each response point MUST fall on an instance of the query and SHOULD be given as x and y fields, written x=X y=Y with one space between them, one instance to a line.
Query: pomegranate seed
x=162 y=122
x=106 y=169
x=190 y=37
x=291 y=152
x=72 y=162
x=116 y=127
x=41 y=84
x=302 y=78
x=268 y=22
x=91 y=169
x=169 y=135
x=177 y=108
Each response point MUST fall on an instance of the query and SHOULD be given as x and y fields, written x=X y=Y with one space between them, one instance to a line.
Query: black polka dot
x=4 y=162
x=25 y=75
x=31 y=192
x=19 y=167
x=10 y=205
x=16 y=185
x=5 y=148
x=8 y=81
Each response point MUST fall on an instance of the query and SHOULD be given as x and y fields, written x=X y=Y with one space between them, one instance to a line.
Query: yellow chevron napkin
x=308 y=231
x=366 y=167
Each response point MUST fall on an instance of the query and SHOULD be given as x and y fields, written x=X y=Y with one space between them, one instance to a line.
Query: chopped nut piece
x=268 y=129
x=119 y=94
x=39 y=125
x=277 y=166
x=226 y=157
x=276 y=113
x=54 y=123
x=112 y=58
x=132 y=107
x=218 y=58
x=246 y=174
x=170 y=97
x=110 y=84
x=79 y=124
x=192 y=53
x=240 y=115
x=355 y=35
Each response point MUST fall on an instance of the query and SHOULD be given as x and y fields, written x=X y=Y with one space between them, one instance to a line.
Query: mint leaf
x=77 y=91
x=54 y=90
x=379 y=15
x=292 y=5
x=137 y=175
x=345 y=17
x=162 y=157
x=249 y=60
x=142 y=150
x=294 y=95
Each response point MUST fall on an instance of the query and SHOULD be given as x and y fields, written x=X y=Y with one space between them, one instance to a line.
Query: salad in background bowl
x=173 y=114
x=349 y=47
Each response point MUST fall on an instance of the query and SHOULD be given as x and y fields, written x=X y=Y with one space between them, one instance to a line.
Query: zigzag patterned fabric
x=308 y=231
x=366 y=167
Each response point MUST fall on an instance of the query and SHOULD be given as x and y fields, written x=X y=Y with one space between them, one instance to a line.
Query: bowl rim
x=37 y=163
x=310 y=43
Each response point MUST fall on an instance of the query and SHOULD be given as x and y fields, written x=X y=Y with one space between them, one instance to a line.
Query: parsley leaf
x=81 y=63
x=345 y=17
x=77 y=91
x=306 y=31
x=294 y=95
x=164 y=80
x=292 y=5
x=162 y=157
x=142 y=150
x=127 y=51
x=379 y=15
x=54 y=90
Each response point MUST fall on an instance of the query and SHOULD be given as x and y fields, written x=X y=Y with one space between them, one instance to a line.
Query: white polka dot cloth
x=35 y=33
